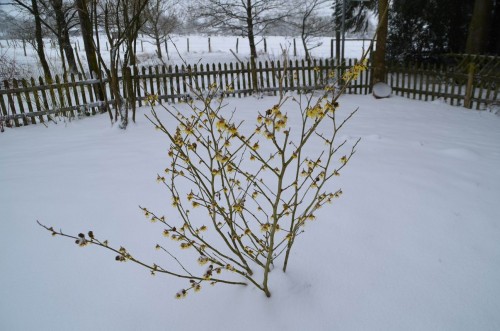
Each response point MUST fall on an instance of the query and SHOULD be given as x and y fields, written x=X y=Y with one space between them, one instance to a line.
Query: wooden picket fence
x=24 y=102
x=471 y=85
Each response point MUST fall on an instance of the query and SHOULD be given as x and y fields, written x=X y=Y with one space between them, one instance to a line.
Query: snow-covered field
x=178 y=50
x=413 y=244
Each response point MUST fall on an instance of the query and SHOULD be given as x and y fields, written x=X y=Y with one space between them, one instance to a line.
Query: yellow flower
x=221 y=124
x=238 y=207
x=233 y=130
x=175 y=201
x=315 y=112
x=152 y=99
x=202 y=260
x=219 y=157
x=265 y=227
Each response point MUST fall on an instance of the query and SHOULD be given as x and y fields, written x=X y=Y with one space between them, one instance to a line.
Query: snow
x=178 y=50
x=413 y=243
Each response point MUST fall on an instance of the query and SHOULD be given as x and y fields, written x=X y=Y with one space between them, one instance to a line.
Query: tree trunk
x=306 y=51
x=253 y=49
x=379 y=70
x=86 y=32
x=88 y=43
x=479 y=28
x=158 y=47
x=39 y=43
x=495 y=40
x=304 y=43
x=63 y=35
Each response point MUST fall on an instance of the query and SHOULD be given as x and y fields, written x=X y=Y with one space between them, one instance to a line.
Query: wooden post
x=15 y=85
x=10 y=102
x=158 y=83
x=129 y=88
x=237 y=41
x=238 y=73
x=265 y=46
x=469 y=89
x=151 y=81
x=28 y=99
x=187 y=42
x=209 y=46
x=82 y=93
x=294 y=47
x=60 y=95
x=331 y=48
x=67 y=93
x=3 y=107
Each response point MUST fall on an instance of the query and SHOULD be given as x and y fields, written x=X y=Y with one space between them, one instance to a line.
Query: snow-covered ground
x=178 y=50
x=413 y=244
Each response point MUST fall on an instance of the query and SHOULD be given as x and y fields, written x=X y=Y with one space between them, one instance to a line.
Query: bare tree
x=83 y=10
x=160 y=21
x=64 y=15
x=357 y=16
x=307 y=20
x=57 y=17
x=122 y=22
x=33 y=9
x=245 y=17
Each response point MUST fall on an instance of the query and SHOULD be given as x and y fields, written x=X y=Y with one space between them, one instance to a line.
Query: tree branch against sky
x=161 y=18
x=245 y=17
x=306 y=18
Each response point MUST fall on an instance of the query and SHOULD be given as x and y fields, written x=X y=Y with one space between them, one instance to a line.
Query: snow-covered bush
x=243 y=191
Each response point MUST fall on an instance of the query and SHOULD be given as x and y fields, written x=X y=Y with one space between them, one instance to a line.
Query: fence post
x=129 y=89
x=469 y=89
x=10 y=102
x=209 y=46
x=237 y=40
x=187 y=42
x=294 y=47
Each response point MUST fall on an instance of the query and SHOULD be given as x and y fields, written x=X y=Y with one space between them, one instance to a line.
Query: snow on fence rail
x=24 y=102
